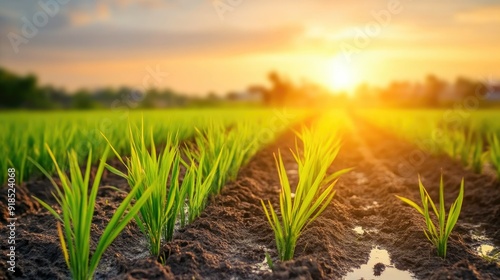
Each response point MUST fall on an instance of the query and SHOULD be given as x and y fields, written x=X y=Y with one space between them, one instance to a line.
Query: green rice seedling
x=197 y=187
x=494 y=152
x=439 y=233
x=211 y=144
x=269 y=260
x=151 y=172
x=477 y=156
x=313 y=193
x=451 y=143
x=177 y=208
x=77 y=207
x=470 y=149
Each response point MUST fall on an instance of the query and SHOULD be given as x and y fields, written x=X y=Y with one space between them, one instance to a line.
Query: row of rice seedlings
x=77 y=206
x=156 y=207
x=218 y=156
x=439 y=233
x=463 y=142
x=314 y=190
x=29 y=131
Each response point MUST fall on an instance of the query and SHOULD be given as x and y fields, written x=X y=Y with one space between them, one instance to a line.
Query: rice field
x=251 y=194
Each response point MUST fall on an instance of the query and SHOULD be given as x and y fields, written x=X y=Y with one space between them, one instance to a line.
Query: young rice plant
x=439 y=233
x=197 y=187
x=313 y=193
x=77 y=207
x=151 y=172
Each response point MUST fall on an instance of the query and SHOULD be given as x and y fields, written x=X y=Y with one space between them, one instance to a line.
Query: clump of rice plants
x=466 y=145
x=151 y=172
x=313 y=193
x=233 y=146
x=197 y=187
x=439 y=233
x=77 y=207
x=218 y=156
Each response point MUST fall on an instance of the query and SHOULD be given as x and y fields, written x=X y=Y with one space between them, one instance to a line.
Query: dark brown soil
x=231 y=237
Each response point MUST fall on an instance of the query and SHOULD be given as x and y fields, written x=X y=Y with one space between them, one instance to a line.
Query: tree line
x=25 y=92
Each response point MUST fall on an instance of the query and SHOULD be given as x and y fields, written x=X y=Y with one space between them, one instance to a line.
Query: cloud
x=107 y=43
x=480 y=15
x=102 y=10
x=148 y=4
x=98 y=12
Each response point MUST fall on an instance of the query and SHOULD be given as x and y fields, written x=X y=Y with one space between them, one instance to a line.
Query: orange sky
x=227 y=45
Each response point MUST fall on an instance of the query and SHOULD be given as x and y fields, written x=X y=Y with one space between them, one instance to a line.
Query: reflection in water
x=484 y=245
x=359 y=230
x=379 y=267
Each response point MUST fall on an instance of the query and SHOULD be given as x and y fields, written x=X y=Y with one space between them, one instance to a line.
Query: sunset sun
x=341 y=74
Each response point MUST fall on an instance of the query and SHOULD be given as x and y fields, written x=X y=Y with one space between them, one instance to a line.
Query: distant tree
x=151 y=98
x=175 y=99
x=232 y=96
x=261 y=91
x=83 y=100
x=280 y=89
x=212 y=96
x=433 y=89
x=17 y=91
x=466 y=87
x=59 y=98
x=106 y=96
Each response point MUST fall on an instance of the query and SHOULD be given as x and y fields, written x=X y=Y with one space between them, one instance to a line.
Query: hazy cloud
x=489 y=14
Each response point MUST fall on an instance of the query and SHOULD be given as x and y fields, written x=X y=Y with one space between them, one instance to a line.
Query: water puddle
x=373 y=205
x=379 y=267
x=484 y=246
x=177 y=225
x=263 y=266
x=359 y=230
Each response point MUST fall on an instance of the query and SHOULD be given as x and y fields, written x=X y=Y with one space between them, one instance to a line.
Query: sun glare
x=341 y=75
